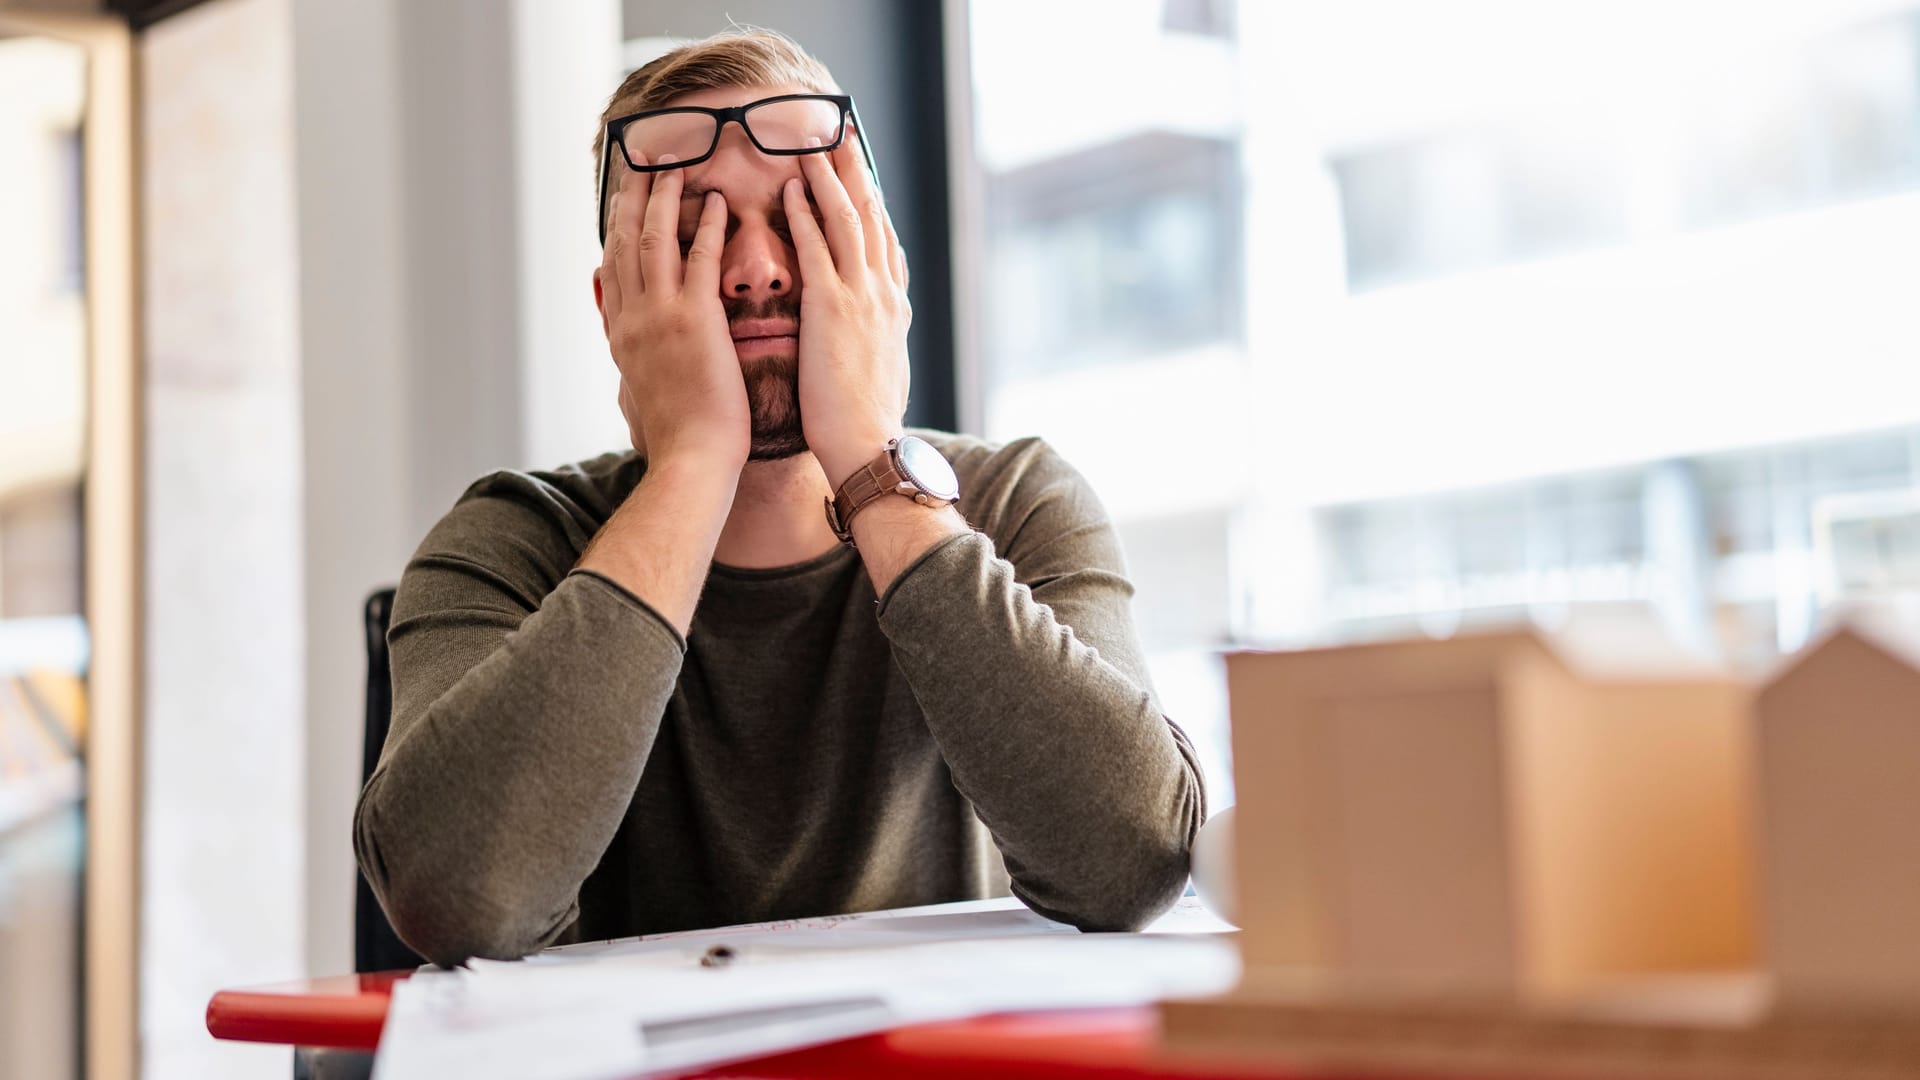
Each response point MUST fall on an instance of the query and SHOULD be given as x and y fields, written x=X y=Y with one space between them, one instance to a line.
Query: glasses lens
x=790 y=125
x=684 y=135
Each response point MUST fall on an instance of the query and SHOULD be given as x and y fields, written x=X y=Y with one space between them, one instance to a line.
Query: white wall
x=359 y=500
x=566 y=65
x=429 y=132
x=351 y=294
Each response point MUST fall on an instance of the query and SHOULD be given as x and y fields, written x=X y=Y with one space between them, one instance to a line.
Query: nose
x=757 y=264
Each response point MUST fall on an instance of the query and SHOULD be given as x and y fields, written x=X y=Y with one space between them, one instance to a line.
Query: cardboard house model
x=1479 y=816
x=1839 y=811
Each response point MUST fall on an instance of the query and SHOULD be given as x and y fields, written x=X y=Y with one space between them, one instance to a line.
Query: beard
x=773 y=386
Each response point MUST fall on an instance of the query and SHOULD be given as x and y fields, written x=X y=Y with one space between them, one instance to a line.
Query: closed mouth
x=764 y=329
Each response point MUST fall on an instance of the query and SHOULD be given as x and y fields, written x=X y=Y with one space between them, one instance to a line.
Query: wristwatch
x=909 y=466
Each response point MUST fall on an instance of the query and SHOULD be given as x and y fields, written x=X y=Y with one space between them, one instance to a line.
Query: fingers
x=851 y=168
x=660 y=231
x=843 y=229
x=621 y=260
x=611 y=299
x=816 y=260
x=896 y=255
x=703 y=260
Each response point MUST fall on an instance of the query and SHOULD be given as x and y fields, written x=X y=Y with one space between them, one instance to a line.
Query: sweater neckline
x=840 y=554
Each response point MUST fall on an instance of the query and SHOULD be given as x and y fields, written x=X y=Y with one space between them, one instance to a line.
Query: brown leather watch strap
x=881 y=476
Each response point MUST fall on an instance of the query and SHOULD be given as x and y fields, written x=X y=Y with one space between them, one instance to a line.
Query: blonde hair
x=739 y=56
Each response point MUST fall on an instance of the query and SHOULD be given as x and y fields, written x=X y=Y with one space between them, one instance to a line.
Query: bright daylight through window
x=1382 y=317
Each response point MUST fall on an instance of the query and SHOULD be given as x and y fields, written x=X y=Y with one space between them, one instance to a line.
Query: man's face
x=759 y=274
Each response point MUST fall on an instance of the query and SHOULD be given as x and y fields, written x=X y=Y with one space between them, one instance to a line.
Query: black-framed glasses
x=786 y=125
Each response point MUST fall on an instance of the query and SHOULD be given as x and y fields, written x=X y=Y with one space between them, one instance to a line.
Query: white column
x=363 y=218
x=222 y=896
x=1295 y=285
x=1674 y=515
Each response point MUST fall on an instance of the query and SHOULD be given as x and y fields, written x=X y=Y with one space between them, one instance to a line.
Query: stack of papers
x=649 y=1005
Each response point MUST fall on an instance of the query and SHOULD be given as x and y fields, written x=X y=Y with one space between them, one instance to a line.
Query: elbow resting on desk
x=449 y=916
x=450 y=936
x=1124 y=883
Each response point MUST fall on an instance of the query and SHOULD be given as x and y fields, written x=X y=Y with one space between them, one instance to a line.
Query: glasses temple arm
x=600 y=217
x=866 y=146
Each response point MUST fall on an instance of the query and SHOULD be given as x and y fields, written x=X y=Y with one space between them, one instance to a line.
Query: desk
x=347 y=1012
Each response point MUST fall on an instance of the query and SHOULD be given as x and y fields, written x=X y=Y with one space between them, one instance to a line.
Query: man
x=663 y=689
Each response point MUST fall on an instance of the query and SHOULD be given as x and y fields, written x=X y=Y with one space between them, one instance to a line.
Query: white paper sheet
x=624 y=1008
x=999 y=917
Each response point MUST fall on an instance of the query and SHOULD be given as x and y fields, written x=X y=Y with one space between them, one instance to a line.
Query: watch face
x=926 y=468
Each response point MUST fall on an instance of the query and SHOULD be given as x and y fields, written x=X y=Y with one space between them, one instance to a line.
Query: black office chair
x=375 y=946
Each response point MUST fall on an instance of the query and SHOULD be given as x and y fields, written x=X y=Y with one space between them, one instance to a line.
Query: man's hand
x=681 y=389
x=680 y=383
x=853 y=313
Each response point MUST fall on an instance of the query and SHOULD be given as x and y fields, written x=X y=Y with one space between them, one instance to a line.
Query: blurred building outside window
x=43 y=638
x=42 y=430
x=1379 y=318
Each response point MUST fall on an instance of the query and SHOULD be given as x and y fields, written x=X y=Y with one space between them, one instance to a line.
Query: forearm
x=513 y=756
x=1091 y=797
x=494 y=800
x=659 y=543
x=892 y=533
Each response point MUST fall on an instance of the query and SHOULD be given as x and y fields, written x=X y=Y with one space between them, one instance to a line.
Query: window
x=1123 y=251
x=1380 y=319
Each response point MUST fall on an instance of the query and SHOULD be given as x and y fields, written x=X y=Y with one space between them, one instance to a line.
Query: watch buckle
x=833 y=522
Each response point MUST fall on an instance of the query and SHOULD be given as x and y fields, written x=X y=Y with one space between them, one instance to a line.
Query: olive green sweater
x=564 y=766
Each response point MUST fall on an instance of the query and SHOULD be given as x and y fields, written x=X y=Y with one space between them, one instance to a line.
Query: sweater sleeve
x=1025 y=661
x=526 y=701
